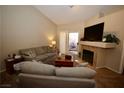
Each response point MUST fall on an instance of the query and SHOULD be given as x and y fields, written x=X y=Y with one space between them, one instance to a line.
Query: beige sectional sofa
x=36 y=74
x=39 y=75
x=45 y=54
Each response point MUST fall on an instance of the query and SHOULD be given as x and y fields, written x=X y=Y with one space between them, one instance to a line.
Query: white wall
x=25 y=27
x=113 y=23
x=122 y=59
x=62 y=42
x=0 y=39
x=74 y=27
x=79 y=27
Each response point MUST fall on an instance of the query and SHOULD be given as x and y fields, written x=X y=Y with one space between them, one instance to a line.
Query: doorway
x=73 y=42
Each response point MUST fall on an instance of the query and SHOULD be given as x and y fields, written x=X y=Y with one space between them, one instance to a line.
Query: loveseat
x=39 y=75
x=45 y=54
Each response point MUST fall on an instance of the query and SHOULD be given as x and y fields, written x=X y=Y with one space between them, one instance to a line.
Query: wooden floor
x=108 y=79
x=8 y=80
x=104 y=79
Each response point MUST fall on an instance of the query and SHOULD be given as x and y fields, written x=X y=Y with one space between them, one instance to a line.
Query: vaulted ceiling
x=65 y=14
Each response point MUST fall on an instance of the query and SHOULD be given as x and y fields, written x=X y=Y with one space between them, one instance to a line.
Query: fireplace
x=97 y=53
x=88 y=56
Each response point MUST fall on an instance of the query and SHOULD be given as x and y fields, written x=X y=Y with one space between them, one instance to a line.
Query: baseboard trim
x=3 y=70
x=109 y=69
x=113 y=70
x=100 y=67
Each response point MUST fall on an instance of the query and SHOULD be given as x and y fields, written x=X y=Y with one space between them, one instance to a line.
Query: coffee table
x=63 y=63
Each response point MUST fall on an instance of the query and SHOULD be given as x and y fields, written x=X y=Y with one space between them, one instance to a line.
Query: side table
x=9 y=64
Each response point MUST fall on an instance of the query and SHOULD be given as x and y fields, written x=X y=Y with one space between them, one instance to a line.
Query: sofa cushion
x=51 y=54
x=79 y=72
x=45 y=48
x=39 y=51
x=28 y=52
x=41 y=57
x=17 y=66
x=37 y=68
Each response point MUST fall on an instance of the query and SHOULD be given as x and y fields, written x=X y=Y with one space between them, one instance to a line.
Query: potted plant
x=111 y=38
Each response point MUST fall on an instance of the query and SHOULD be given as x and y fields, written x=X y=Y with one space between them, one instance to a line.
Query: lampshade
x=50 y=45
x=53 y=42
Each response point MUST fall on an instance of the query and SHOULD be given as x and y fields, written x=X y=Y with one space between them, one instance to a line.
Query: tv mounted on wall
x=94 y=33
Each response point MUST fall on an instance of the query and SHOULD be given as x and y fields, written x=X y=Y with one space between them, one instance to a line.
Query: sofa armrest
x=31 y=80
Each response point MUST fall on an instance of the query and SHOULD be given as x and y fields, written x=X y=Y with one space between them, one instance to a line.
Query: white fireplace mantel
x=98 y=44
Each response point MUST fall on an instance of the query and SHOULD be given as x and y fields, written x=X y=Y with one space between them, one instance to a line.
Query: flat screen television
x=94 y=33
